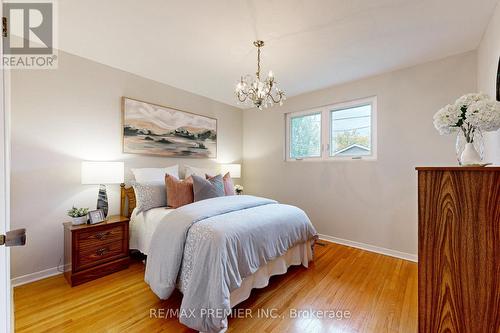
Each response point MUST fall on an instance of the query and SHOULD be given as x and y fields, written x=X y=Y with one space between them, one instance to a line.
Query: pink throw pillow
x=228 y=184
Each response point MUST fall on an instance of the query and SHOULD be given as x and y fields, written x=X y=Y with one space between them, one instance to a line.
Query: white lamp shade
x=233 y=169
x=102 y=172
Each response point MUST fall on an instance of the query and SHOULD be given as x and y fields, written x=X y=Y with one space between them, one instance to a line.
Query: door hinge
x=4 y=26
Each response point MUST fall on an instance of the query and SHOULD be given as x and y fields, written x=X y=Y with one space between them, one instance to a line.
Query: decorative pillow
x=179 y=192
x=207 y=188
x=190 y=170
x=228 y=183
x=145 y=175
x=149 y=195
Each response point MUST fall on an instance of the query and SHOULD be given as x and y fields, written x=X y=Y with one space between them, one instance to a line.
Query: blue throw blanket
x=238 y=235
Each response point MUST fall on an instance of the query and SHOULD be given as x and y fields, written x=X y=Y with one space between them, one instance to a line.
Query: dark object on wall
x=458 y=249
x=498 y=80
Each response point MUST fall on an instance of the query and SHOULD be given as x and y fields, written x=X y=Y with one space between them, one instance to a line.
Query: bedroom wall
x=488 y=54
x=61 y=117
x=370 y=202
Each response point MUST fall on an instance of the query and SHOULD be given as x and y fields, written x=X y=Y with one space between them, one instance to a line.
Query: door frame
x=6 y=294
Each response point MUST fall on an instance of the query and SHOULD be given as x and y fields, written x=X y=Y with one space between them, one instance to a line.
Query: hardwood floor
x=379 y=292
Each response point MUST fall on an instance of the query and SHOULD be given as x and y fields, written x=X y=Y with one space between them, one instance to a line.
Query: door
x=5 y=288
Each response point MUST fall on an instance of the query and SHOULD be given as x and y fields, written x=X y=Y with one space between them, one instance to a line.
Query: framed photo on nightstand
x=96 y=216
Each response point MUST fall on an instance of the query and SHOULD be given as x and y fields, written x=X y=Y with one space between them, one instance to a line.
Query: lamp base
x=102 y=200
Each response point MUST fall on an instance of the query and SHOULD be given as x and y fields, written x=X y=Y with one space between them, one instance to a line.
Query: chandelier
x=259 y=93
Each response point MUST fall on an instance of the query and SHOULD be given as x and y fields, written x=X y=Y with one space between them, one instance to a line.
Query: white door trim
x=6 y=301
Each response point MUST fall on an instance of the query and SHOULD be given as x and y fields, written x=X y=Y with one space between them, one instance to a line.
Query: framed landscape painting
x=159 y=130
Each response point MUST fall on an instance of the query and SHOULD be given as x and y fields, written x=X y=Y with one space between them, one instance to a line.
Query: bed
x=216 y=251
x=142 y=226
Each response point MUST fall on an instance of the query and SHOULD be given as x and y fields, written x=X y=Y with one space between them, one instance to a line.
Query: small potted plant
x=78 y=215
x=238 y=189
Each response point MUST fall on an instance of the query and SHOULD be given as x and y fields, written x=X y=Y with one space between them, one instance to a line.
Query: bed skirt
x=300 y=254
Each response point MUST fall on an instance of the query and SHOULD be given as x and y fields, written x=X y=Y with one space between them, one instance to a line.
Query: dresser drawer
x=97 y=254
x=95 y=238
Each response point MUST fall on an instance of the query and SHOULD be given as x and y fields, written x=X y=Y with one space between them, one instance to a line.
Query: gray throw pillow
x=149 y=195
x=207 y=188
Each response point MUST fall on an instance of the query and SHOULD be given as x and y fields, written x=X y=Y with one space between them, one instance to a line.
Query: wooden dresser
x=92 y=251
x=459 y=249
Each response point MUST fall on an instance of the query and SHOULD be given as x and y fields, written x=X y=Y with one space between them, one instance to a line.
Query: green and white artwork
x=158 y=130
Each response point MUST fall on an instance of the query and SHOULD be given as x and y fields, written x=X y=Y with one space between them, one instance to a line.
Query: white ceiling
x=204 y=46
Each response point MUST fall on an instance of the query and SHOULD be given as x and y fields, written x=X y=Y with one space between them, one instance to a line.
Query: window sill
x=333 y=159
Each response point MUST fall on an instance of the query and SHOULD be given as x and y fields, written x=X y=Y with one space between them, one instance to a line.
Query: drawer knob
x=102 y=251
x=102 y=235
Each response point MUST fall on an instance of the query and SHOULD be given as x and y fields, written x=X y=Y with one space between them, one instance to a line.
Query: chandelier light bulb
x=270 y=75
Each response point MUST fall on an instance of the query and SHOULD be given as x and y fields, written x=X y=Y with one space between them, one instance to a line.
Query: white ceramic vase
x=470 y=156
x=79 y=220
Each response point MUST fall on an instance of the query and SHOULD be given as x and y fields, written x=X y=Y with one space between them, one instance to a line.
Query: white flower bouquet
x=470 y=112
x=470 y=115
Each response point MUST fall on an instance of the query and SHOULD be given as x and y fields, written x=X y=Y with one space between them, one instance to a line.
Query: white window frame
x=326 y=130
x=289 y=117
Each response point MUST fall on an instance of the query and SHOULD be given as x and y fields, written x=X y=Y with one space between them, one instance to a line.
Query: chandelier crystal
x=253 y=91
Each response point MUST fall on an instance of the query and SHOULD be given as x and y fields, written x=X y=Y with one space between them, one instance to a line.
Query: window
x=335 y=132
x=305 y=136
x=350 y=131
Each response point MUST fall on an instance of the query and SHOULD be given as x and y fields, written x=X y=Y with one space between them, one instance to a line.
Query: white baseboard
x=20 y=280
x=371 y=248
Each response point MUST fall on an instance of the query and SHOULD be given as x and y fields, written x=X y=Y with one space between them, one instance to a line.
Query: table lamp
x=233 y=169
x=102 y=173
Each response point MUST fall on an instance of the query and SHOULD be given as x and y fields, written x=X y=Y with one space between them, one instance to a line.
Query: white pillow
x=148 y=175
x=190 y=170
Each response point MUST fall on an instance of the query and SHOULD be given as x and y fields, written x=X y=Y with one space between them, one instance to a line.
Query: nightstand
x=94 y=250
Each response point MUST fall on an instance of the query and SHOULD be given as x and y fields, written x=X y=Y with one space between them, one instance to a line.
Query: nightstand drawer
x=93 y=238
x=98 y=254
